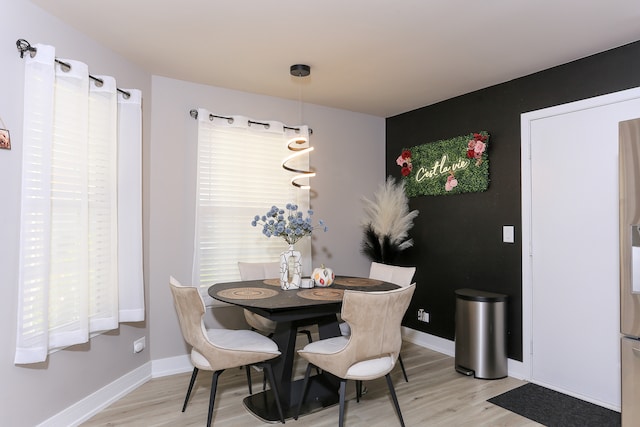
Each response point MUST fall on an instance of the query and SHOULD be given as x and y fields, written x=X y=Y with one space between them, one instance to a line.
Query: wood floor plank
x=435 y=396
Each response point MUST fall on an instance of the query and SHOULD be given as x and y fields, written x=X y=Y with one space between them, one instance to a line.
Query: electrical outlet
x=423 y=315
x=139 y=345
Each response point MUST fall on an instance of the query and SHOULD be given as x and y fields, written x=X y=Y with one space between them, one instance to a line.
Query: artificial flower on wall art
x=476 y=147
x=451 y=183
x=452 y=166
x=404 y=161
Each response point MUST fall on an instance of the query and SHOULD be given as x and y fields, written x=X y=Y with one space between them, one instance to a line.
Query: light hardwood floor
x=435 y=395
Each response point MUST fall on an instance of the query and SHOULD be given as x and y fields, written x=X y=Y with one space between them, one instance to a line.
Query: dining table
x=292 y=309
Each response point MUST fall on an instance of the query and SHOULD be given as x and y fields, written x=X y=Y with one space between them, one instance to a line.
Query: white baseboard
x=171 y=366
x=89 y=406
x=441 y=345
x=515 y=368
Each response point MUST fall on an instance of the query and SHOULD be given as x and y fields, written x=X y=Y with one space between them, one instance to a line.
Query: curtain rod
x=24 y=46
x=194 y=113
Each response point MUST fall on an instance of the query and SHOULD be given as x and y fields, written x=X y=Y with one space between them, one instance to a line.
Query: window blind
x=239 y=175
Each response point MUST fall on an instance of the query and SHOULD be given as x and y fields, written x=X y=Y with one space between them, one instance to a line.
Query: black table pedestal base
x=322 y=393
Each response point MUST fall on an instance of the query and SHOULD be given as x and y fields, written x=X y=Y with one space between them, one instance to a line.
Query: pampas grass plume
x=387 y=215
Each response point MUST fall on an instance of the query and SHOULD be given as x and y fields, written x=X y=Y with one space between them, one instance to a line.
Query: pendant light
x=299 y=144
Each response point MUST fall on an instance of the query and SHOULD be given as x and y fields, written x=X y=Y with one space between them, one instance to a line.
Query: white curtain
x=77 y=208
x=130 y=278
x=239 y=176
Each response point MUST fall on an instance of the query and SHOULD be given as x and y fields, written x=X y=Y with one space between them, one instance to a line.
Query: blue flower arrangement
x=291 y=228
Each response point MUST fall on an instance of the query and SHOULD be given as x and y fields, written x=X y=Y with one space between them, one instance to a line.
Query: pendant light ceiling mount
x=299 y=144
x=300 y=70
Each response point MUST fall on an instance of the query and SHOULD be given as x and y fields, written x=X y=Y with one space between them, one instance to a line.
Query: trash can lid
x=481 y=296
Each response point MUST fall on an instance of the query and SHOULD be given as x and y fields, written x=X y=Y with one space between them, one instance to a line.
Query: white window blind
x=68 y=280
x=239 y=175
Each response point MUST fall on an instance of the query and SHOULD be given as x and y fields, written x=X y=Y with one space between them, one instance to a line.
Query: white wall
x=348 y=156
x=75 y=373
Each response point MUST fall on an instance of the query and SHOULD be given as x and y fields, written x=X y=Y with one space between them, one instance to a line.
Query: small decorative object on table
x=291 y=228
x=323 y=276
x=306 y=283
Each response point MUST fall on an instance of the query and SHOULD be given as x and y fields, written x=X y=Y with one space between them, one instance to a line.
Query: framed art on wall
x=453 y=166
x=5 y=139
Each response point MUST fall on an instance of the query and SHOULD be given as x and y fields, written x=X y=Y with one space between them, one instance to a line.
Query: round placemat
x=271 y=282
x=356 y=281
x=247 y=293
x=324 y=294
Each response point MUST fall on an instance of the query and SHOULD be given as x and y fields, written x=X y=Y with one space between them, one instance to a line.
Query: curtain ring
x=24 y=46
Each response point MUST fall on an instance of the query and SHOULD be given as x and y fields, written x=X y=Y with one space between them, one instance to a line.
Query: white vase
x=290 y=269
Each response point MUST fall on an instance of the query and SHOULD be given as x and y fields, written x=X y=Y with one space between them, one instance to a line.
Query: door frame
x=526 y=120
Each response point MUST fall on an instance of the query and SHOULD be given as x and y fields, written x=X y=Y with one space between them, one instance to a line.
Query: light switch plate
x=507 y=234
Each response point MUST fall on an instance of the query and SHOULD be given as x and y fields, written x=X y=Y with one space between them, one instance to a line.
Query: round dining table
x=291 y=309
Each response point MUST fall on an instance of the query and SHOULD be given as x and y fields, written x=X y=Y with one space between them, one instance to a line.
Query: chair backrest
x=401 y=276
x=375 y=319
x=207 y=354
x=259 y=270
x=190 y=309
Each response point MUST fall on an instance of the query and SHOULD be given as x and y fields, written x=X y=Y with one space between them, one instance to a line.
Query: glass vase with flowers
x=291 y=225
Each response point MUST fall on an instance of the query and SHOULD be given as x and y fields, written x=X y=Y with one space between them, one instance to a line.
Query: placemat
x=356 y=281
x=247 y=293
x=271 y=282
x=324 y=294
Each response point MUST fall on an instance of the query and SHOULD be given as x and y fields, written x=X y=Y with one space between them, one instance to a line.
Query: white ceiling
x=379 y=57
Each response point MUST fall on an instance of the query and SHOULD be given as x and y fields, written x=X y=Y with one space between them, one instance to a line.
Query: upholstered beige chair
x=259 y=271
x=401 y=276
x=219 y=349
x=372 y=348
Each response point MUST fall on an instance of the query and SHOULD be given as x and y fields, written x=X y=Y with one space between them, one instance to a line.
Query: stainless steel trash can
x=480 y=340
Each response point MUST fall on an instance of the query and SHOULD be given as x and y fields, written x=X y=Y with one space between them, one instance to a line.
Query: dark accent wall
x=458 y=238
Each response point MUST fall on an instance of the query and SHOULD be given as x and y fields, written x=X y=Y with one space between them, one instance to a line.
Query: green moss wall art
x=452 y=166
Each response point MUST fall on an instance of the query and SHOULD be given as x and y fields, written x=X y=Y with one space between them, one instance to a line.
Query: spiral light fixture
x=299 y=144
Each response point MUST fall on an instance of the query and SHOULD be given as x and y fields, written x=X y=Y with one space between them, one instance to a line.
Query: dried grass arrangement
x=387 y=222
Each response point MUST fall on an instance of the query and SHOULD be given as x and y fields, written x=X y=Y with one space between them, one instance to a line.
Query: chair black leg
x=402 y=367
x=308 y=334
x=193 y=380
x=394 y=398
x=358 y=390
x=343 y=387
x=304 y=390
x=272 y=382
x=248 y=369
x=212 y=397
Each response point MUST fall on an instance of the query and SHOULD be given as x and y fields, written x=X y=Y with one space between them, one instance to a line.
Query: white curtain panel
x=239 y=175
x=32 y=340
x=103 y=204
x=70 y=277
x=131 y=280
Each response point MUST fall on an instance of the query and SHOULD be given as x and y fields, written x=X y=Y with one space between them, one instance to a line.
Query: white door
x=572 y=235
